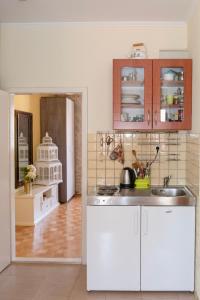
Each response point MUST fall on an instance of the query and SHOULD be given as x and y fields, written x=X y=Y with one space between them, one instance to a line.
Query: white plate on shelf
x=128 y=100
x=131 y=101
x=131 y=98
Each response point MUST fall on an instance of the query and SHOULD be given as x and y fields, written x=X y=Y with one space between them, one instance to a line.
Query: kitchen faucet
x=166 y=181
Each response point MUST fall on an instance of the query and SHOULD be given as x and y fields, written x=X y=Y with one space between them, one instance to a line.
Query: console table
x=32 y=208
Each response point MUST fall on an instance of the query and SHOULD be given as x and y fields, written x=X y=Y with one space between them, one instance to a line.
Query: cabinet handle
x=145 y=223
x=155 y=117
x=148 y=117
x=136 y=223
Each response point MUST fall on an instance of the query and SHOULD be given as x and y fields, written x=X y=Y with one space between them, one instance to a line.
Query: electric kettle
x=127 y=178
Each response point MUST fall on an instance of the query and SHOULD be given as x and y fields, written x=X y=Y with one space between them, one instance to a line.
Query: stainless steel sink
x=168 y=192
x=154 y=196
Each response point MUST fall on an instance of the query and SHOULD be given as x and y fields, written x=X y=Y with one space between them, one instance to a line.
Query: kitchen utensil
x=135 y=165
x=141 y=171
x=127 y=178
x=134 y=154
x=109 y=140
x=101 y=155
x=114 y=153
x=120 y=153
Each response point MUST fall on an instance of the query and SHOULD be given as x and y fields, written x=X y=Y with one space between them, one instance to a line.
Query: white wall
x=75 y=55
x=194 y=47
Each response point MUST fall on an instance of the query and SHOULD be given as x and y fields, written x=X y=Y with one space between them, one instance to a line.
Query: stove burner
x=107 y=190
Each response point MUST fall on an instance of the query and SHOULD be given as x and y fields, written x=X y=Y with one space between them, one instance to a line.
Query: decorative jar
x=27 y=187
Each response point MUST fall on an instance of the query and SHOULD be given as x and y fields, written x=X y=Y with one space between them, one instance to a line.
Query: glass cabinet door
x=172 y=91
x=132 y=94
x=172 y=95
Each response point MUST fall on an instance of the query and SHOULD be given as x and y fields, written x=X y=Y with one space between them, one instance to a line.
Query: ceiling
x=96 y=11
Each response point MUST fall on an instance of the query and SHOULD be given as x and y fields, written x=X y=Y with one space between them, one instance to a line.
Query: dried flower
x=30 y=173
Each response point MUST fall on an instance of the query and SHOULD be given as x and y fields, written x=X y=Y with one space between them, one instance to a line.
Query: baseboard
x=47 y=260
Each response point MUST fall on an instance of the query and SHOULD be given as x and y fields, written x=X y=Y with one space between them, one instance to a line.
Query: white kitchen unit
x=167 y=248
x=31 y=208
x=113 y=248
x=123 y=255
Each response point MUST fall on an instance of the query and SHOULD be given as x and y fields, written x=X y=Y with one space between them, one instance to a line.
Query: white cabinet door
x=113 y=248
x=38 y=207
x=5 y=227
x=167 y=248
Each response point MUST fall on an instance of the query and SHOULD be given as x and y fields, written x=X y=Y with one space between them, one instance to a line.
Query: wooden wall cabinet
x=152 y=94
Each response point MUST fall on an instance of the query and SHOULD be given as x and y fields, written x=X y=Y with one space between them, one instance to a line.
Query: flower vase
x=28 y=187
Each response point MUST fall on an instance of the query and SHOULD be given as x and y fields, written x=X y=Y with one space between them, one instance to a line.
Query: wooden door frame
x=49 y=90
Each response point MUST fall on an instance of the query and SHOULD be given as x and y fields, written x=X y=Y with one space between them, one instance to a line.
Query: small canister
x=181 y=75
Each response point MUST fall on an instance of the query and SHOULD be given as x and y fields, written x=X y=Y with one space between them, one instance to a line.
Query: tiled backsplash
x=193 y=162
x=193 y=181
x=174 y=151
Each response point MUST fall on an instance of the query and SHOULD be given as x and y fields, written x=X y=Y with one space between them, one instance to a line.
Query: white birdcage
x=49 y=168
x=47 y=151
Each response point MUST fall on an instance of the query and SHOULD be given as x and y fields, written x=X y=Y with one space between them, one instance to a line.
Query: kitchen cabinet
x=132 y=93
x=152 y=94
x=113 y=248
x=157 y=255
x=167 y=248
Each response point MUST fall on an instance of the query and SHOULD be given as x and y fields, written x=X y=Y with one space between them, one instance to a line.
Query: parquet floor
x=57 y=236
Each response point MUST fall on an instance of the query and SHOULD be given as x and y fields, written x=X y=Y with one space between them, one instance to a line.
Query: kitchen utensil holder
x=107 y=171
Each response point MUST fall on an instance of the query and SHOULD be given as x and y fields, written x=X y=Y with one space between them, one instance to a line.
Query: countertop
x=142 y=197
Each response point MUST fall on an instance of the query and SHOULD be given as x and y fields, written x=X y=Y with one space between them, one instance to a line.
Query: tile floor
x=63 y=282
x=58 y=235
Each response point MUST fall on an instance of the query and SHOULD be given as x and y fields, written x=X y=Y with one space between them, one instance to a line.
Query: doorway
x=63 y=216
